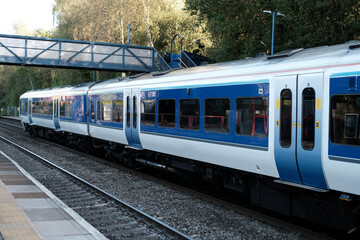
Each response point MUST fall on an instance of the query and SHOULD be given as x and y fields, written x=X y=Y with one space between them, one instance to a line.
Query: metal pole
x=129 y=30
x=273 y=33
x=273 y=27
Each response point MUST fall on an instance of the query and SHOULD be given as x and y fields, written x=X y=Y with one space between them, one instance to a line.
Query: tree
x=238 y=27
x=106 y=21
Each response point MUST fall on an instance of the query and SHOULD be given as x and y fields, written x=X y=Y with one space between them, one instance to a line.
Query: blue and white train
x=282 y=129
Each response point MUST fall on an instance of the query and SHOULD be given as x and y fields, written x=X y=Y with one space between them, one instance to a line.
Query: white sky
x=34 y=14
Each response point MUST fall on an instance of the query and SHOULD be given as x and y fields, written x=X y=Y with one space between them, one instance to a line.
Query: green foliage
x=157 y=21
x=222 y=30
x=238 y=27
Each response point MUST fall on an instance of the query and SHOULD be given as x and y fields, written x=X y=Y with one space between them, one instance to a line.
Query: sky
x=34 y=14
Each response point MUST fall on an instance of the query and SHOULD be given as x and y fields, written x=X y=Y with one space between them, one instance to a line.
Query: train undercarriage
x=330 y=209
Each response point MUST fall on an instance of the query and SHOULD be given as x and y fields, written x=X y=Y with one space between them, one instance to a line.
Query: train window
x=308 y=119
x=134 y=111
x=62 y=108
x=41 y=108
x=117 y=109
x=68 y=109
x=56 y=108
x=33 y=107
x=22 y=106
x=345 y=119
x=30 y=107
x=106 y=111
x=51 y=106
x=189 y=115
x=166 y=113
x=92 y=110
x=148 y=112
x=285 y=118
x=128 y=111
x=98 y=110
x=37 y=107
x=217 y=115
x=45 y=108
x=251 y=116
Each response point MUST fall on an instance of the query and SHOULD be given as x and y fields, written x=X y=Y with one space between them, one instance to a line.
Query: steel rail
x=163 y=226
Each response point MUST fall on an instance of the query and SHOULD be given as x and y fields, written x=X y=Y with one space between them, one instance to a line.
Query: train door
x=298 y=129
x=132 y=117
x=56 y=113
x=30 y=110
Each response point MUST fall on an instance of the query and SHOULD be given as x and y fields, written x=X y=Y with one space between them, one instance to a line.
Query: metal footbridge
x=62 y=53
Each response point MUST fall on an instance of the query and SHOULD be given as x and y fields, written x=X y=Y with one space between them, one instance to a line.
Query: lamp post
x=273 y=27
x=129 y=30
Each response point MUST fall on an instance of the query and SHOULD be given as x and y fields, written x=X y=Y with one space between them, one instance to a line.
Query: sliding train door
x=56 y=112
x=132 y=120
x=30 y=110
x=298 y=113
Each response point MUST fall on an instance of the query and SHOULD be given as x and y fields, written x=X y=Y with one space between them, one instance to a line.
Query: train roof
x=318 y=57
x=290 y=60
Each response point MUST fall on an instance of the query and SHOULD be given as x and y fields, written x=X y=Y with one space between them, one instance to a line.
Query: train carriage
x=282 y=129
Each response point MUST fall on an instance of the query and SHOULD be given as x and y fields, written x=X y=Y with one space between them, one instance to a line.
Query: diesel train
x=284 y=129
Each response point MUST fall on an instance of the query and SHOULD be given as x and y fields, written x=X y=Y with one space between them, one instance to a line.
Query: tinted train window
x=92 y=110
x=68 y=109
x=106 y=111
x=308 y=119
x=41 y=108
x=56 y=110
x=30 y=107
x=51 y=107
x=285 y=118
x=62 y=108
x=189 y=116
x=117 y=111
x=23 y=107
x=128 y=111
x=345 y=119
x=45 y=108
x=134 y=111
x=33 y=107
x=166 y=113
x=148 y=112
x=98 y=110
x=217 y=115
x=251 y=116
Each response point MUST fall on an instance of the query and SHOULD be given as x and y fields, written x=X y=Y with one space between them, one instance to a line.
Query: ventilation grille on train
x=286 y=53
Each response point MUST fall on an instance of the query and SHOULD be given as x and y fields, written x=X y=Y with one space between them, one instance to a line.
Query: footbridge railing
x=62 y=53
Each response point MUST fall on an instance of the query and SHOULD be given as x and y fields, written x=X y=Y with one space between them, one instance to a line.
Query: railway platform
x=11 y=117
x=30 y=211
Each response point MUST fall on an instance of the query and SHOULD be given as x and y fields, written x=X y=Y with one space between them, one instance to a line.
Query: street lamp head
x=267 y=11
x=280 y=14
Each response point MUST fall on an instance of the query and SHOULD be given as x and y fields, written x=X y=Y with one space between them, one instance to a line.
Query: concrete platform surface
x=30 y=211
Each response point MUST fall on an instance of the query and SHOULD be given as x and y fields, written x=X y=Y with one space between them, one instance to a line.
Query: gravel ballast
x=186 y=213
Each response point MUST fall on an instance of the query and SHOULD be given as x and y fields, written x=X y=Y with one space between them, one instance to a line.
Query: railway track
x=111 y=216
x=209 y=197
